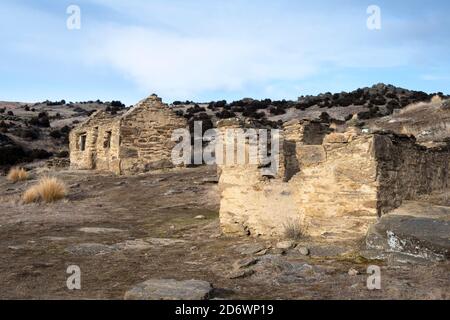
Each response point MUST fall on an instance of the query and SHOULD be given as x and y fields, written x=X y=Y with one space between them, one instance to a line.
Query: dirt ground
x=153 y=231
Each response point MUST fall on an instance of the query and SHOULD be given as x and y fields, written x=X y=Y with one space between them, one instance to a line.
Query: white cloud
x=181 y=66
x=184 y=51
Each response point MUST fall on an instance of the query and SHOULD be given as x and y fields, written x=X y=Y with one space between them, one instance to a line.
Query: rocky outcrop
x=416 y=229
x=10 y=152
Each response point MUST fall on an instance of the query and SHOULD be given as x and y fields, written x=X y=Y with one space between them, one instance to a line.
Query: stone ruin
x=138 y=140
x=332 y=183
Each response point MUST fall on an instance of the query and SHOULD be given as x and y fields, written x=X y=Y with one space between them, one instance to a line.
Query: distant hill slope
x=40 y=130
x=377 y=101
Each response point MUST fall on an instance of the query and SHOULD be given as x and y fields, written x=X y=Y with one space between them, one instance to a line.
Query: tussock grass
x=435 y=104
x=31 y=195
x=47 y=190
x=292 y=230
x=17 y=174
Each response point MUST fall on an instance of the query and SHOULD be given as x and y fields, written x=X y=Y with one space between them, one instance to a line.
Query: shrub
x=41 y=121
x=292 y=230
x=63 y=154
x=28 y=133
x=17 y=174
x=225 y=114
x=31 y=195
x=39 y=154
x=48 y=190
x=56 y=134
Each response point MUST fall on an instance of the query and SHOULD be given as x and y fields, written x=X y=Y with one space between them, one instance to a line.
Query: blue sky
x=206 y=50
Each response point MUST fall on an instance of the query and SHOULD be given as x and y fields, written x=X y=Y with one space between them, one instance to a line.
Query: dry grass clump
x=292 y=230
x=17 y=174
x=47 y=190
x=445 y=105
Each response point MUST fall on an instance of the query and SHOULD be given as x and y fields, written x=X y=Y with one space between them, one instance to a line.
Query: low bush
x=47 y=190
x=17 y=174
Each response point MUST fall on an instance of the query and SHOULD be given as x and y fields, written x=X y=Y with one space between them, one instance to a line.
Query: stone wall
x=336 y=188
x=96 y=155
x=332 y=185
x=407 y=170
x=137 y=141
x=146 y=133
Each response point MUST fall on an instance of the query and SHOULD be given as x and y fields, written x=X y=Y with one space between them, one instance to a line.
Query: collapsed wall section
x=252 y=203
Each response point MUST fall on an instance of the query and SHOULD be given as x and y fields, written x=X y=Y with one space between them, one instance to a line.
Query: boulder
x=170 y=289
x=417 y=229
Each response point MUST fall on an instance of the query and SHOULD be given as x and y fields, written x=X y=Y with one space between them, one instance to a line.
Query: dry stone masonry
x=136 y=141
x=331 y=183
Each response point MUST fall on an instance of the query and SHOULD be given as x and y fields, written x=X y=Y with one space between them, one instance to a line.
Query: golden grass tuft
x=17 y=174
x=31 y=195
x=48 y=190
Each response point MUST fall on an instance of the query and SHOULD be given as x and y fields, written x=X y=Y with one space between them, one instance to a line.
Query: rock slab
x=170 y=289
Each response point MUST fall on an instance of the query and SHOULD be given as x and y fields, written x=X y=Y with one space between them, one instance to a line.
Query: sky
x=206 y=50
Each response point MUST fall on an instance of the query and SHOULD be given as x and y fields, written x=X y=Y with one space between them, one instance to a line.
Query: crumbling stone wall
x=334 y=185
x=407 y=170
x=137 y=141
x=146 y=133
x=87 y=143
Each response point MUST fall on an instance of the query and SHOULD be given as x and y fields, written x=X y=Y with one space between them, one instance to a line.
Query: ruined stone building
x=136 y=141
x=331 y=183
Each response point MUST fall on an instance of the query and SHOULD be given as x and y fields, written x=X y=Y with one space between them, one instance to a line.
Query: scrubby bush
x=179 y=113
x=27 y=133
x=195 y=109
x=63 y=154
x=55 y=103
x=48 y=189
x=325 y=117
x=277 y=110
x=56 y=134
x=3 y=127
x=117 y=104
x=41 y=120
x=39 y=154
x=225 y=114
x=292 y=230
x=17 y=174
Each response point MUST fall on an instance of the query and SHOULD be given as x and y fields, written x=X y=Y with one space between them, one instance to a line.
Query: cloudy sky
x=206 y=50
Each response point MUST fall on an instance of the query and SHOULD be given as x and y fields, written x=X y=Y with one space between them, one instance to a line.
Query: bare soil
x=38 y=242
